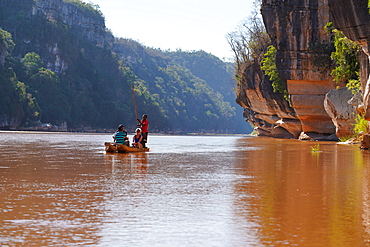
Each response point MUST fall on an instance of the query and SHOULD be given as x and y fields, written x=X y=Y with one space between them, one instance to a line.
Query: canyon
x=314 y=111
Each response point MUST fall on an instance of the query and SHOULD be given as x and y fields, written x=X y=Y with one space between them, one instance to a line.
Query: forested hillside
x=59 y=64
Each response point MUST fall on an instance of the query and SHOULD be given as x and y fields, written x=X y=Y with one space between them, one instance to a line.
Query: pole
x=133 y=98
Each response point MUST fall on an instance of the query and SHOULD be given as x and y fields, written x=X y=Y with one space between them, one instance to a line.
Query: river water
x=61 y=189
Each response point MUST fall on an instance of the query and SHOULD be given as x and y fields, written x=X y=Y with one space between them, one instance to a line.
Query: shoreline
x=113 y=131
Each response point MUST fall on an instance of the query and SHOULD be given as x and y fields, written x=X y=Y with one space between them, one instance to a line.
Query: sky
x=189 y=25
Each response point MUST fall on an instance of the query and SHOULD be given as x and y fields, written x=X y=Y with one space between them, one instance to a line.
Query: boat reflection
x=132 y=163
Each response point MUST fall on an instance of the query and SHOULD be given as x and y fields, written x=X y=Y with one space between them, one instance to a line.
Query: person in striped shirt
x=120 y=136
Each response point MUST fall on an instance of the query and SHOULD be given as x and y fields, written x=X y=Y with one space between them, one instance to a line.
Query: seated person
x=136 y=140
x=120 y=136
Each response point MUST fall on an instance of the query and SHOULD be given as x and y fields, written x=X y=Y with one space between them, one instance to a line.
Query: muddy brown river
x=62 y=189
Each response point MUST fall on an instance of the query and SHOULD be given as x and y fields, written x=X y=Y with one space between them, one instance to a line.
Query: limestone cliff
x=353 y=19
x=293 y=26
x=91 y=24
x=268 y=111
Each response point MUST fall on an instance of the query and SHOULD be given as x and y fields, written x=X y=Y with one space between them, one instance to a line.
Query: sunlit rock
x=341 y=112
x=263 y=107
x=293 y=26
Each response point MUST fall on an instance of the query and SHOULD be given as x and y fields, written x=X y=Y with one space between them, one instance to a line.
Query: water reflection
x=305 y=199
x=134 y=164
x=63 y=189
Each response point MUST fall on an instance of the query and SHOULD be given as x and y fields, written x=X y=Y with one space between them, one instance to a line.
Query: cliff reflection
x=299 y=198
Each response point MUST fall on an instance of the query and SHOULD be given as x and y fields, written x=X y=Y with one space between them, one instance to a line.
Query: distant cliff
x=59 y=64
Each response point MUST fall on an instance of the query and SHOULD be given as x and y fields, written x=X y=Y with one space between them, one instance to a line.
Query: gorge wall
x=294 y=26
x=353 y=19
x=86 y=20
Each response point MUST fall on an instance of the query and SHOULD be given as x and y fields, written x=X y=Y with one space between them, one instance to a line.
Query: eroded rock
x=341 y=112
x=293 y=26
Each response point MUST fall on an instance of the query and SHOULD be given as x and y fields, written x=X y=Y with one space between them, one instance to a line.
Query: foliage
x=270 y=69
x=67 y=77
x=250 y=42
x=16 y=103
x=346 y=59
x=346 y=138
x=6 y=42
x=89 y=93
x=250 y=45
x=168 y=81
x=354 y=85
x=361 y=124
x=315 y=148
x=87 y=8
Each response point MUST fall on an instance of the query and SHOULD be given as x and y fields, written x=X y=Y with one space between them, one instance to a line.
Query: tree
x=250 y=42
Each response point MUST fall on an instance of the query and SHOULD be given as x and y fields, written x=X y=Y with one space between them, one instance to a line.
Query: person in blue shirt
x=120 y=136
x=136 y=140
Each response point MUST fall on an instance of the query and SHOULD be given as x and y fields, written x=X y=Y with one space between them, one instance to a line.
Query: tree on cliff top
x=251 y=41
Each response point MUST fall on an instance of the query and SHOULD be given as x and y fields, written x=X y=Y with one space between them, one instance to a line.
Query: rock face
x=342 y=113
x=2 y=55
x=268 y=111
x=90 y=24
x=353 y=19
x=293 y=25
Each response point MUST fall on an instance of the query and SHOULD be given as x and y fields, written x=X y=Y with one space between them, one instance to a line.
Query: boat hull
x=120 y=148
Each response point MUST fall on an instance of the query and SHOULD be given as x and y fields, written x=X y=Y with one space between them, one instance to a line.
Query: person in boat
x=137 y=139
x=120 y=136
x=144 y=124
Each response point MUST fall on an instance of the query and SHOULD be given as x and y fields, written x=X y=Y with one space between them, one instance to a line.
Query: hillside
x=59 y=64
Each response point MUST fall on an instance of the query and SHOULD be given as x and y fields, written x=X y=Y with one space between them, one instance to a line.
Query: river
x=62 y=189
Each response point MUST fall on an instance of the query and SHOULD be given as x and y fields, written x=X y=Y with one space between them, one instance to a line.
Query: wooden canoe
x=120 y=148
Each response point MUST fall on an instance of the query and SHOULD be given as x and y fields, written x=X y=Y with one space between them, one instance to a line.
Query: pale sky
x=177 y=24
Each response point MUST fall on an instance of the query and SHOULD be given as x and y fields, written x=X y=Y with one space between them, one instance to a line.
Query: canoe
x=120 y=148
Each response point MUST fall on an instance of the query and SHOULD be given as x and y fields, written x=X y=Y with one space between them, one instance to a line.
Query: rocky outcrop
x=293 y=25
x=88 y=21
x=268 y=111
x=353 y=19
x=341 y=111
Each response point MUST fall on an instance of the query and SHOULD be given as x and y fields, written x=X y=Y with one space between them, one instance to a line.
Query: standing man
x=144 y=124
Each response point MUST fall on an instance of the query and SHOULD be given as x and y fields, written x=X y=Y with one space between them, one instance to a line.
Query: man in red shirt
x=144 y=124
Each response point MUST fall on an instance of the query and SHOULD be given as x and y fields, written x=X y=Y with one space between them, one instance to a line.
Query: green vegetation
x=340 y=55
x=167 y=80
x=53 y=73
x=253 y=49
x=87 y=8
x=315 y=148
x=17 y=105
x=345 y=59
x=270 y=69
x=361 y=125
